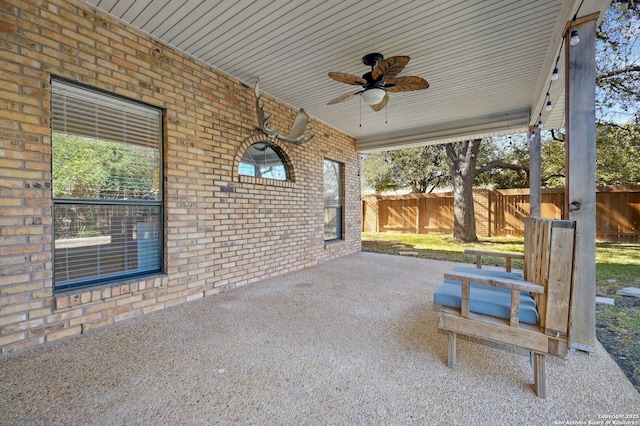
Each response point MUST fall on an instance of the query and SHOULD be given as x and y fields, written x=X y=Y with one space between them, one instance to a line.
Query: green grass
x=614 y=261
x=441 y=247
x=619 y=262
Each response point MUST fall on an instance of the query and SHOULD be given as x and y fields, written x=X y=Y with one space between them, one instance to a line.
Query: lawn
x=617 y=266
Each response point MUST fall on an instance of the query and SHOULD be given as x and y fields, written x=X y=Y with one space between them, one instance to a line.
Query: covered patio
x=283 y=325
x=493 y=67
x=349 y=341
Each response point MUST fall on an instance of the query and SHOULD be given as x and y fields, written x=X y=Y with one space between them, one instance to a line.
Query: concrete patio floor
x=351 y=341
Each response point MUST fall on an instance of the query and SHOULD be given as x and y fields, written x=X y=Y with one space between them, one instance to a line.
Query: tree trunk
x=462 y=165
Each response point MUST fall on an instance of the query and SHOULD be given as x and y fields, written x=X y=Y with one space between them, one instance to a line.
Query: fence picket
x=500 y=212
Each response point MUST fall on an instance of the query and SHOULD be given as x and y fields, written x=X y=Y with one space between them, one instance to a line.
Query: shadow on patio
x=351 y=341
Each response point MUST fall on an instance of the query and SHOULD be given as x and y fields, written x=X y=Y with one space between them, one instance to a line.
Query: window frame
x=339 y=206
x=156 y=205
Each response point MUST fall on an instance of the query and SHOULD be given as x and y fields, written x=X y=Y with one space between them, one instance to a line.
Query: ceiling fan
x=382 y=80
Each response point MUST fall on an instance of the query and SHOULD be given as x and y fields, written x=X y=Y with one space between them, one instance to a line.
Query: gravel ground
x=351 y=341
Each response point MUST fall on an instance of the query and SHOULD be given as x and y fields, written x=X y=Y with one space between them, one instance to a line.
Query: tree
x=618 y=63
x=422 y=169
x=90 y=169
x=459 y=165
x=503 y=162
x=552 y=162
x=97 y=169
x=618 y=154
x=462 y=158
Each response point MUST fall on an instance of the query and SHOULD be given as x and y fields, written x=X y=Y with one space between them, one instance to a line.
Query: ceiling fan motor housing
x=372 y=59
x=371 y=83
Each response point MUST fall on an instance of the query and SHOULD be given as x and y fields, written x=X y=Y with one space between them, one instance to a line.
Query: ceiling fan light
x=373 y=96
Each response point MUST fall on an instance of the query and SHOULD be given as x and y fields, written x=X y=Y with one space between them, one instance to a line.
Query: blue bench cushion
x=487 y=300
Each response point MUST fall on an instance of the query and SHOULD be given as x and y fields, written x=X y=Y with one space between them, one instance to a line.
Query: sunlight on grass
x=443 y=242
x=441 y=247
x=617 y=265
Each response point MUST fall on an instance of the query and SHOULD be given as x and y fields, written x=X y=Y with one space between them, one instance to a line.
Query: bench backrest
x=549 y=254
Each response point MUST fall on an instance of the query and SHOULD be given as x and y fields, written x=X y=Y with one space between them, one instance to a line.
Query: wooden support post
x=581 y=179
x=535 y=181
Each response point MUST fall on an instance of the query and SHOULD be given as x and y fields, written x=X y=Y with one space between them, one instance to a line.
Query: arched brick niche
x=276 y=144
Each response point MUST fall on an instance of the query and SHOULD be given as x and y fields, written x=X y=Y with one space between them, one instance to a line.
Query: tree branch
x=614 y=73
x=555 y=137
x=499 y=164
x=434 y=184
x=548 y=178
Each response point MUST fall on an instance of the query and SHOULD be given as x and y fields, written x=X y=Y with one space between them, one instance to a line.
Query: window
x=107 y=186
x=332 y=200
x=262 y=160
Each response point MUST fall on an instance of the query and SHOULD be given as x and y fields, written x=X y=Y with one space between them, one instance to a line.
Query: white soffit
x=488 y=62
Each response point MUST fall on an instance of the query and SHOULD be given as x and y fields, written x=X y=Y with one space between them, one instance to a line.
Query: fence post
x=490 y=213
x=417 y=215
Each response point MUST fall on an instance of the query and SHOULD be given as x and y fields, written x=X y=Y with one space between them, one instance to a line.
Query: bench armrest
x=516 y=286
x=511 y=284
x=507 y=257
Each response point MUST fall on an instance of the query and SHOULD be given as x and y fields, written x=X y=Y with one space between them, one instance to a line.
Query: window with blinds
x=333 y=190
x=107 y=186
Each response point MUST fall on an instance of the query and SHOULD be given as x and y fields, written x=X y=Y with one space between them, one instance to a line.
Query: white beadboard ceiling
x=488 y=62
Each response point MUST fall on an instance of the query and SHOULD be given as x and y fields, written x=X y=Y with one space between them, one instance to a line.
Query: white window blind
x=76 y=111
x=107 y=179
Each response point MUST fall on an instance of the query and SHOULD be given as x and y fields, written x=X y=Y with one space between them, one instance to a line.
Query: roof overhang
x=489 y=63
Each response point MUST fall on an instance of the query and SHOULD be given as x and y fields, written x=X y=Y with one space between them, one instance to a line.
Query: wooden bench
x=531 y=313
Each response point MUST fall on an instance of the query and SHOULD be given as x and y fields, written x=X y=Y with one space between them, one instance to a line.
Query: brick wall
x=370 y=213
x=482 y=211
x=221 y=230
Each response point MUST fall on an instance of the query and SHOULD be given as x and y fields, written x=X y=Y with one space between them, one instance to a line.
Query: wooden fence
x=500 y=212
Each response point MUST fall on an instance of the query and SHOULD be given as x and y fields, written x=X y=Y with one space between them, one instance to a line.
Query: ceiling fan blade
x=405 y=84
x=343 y=98
x=389 y=67
x=347 y=78
x=382 y=104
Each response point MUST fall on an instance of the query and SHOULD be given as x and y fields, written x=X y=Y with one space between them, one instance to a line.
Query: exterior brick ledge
x=71 y=298
x=263 y=181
